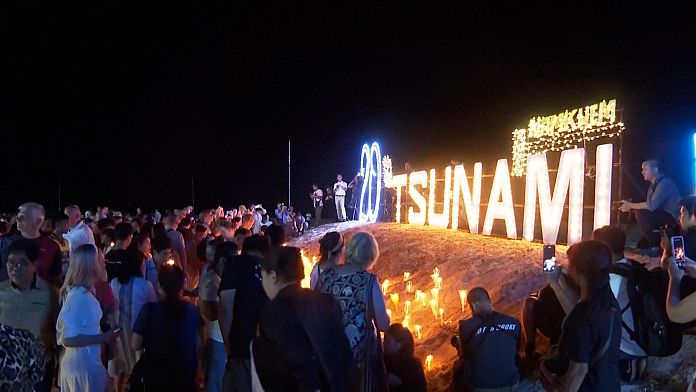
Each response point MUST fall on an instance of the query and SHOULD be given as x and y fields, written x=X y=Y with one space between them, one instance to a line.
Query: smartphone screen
x=549 y=258
x=678 y=251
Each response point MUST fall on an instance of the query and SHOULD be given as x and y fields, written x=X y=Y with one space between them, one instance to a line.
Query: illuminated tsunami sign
x=567 y=133
x=371 y=171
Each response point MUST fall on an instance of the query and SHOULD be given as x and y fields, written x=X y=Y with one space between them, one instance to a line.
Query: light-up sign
x=567 y=133
x=564 y=131
x=371 y=170
x=569 y=186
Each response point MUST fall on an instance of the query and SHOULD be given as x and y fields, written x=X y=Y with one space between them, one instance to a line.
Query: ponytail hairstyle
x=171 y=281
x=329 y=246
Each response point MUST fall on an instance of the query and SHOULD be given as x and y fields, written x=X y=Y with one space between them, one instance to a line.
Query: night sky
x=125 y=104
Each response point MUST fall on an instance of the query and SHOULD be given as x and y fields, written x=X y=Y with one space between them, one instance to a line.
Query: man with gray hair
x=79 y=233
x=29 y=219
x=660 y=208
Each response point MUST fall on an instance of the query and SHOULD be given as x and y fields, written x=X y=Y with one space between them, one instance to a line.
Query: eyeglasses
x=17 y=264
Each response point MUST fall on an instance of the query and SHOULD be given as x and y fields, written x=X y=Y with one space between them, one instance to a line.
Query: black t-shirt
x=585 y=332
x=409 y=370
x=171 y=347
x=491 y=345
x=115 y=260
x=243 y=274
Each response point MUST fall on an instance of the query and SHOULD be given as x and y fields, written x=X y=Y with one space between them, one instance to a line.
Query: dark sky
x=127 y=103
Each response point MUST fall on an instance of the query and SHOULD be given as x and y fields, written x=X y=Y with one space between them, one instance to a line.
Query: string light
x=564 y=131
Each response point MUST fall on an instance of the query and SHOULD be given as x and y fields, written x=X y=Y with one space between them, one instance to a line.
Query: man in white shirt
x=317 y=197
x=339 y=189
x=79 y=233
x=632 y=358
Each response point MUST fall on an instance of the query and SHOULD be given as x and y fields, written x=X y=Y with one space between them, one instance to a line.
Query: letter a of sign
x=571 y=175
x=497 y=209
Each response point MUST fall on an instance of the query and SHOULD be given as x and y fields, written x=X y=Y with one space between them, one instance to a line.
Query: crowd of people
x=212 y=301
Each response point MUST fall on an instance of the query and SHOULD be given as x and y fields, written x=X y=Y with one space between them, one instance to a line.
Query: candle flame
x=385 y=286
x=395 y=299
x=308 y=265
x=407 y=276
x=407 y=307
x=462 y=298
x=418 y=331
x=429 y=362
x=409 y=287
x=433 y=308
x=437 y=279
x=420 y=295
x=171 y=262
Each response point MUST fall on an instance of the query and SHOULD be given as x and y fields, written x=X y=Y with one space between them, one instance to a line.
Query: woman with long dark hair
x=404 y=370
x=168 y=332
x=588 y=351
x=330 y=252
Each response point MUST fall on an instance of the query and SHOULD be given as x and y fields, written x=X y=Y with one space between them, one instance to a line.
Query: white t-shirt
x=340 y=188
x=318 y=198
x=210 y=283
x=618 y=288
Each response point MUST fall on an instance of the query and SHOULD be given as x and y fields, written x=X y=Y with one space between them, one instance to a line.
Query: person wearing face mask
x=300 y=343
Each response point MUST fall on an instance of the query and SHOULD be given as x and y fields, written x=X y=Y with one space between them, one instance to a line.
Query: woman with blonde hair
x=359 y=295
x=78 y=326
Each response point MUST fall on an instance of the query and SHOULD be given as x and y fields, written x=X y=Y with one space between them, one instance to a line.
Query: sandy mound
x=509 y=270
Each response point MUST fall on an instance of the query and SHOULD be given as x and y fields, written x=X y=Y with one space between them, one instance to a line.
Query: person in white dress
x=77 y=328
x=131 y=292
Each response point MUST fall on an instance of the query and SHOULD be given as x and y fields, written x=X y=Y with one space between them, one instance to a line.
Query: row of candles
x=420 y=296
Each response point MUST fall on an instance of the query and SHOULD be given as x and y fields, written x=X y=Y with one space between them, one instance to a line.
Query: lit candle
x=462 y=298
x=389 y=313
x=418 y=331
x=407 y=276
x=436 y=278
x=420 y=296
x=407 y=307
x=171 y=262
x=442 y=312
x=385 y=286
x=429 y=362
x=406 y=322
x=409 y=287
x=395 y=299
x=433 y=308
x=435 y=292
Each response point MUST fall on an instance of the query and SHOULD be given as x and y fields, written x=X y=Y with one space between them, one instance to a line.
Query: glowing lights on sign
x=498 y=209
x=371 y=170
x=564 y=131
x=571 y=173
x=568 y=186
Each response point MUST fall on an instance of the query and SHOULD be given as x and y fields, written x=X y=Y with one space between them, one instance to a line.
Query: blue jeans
x=215 y=358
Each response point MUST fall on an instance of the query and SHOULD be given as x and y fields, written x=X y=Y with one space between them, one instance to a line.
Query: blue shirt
x=664 y=195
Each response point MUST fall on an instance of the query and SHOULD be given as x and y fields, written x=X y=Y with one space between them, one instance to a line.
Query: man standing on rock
x=339 y=190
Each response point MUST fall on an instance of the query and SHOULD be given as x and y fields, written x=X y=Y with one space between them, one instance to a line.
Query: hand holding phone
x=549 y=260
x=678 y=251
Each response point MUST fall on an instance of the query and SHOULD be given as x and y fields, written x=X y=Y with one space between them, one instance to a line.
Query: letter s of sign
x=371 y=169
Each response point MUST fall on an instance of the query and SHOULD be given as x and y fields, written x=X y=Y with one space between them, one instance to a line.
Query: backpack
x=647 y=293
